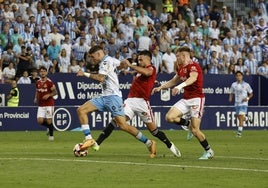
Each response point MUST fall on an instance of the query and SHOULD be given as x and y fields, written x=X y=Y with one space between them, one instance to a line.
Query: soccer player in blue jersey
x=242 y=92
x=110 y=99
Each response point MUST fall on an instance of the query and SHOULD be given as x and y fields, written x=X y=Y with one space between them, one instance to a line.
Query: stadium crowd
x=58 y=35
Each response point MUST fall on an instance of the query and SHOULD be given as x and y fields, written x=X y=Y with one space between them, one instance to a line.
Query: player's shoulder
x=194 y=65
x=48 y=80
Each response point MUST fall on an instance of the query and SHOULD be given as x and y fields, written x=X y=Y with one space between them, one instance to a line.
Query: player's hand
x=175 y=91
x=35 y=100
x=45 y=97
x=155 y=90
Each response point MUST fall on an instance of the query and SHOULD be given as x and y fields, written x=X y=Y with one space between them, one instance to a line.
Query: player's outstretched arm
x=97 y=77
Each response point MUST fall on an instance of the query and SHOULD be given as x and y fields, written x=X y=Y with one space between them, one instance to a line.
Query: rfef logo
x=62 y=119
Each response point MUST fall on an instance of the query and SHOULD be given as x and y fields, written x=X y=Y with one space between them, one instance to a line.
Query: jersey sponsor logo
x=62 y=119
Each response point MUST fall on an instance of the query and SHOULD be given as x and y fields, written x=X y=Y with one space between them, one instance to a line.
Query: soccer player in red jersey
x=190 y=75
x=138 y=103
x=45 y=90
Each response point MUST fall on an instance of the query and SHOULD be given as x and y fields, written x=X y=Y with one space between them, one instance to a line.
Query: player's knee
x=41 y=121
x=169 y=118
x=79 y=111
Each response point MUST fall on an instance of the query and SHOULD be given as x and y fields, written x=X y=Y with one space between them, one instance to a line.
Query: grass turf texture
x=28 y=159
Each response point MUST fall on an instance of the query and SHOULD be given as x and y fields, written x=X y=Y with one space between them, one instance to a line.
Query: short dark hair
x=95 y=49
x=146 y=53
x=42 y=68
x=184 y=49
x=239 y=72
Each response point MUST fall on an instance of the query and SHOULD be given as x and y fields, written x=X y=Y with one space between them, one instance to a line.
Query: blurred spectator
x=34 y=76
x=74 y=68
x=181 y=23
x=225 y=64
x=9 y=73
x=24 y=79
x=15 y=36
x=53 y=50
x=7 y=57
x=200 y=9
x=46 y=62
x=56 y=36
x=194 y=32
x=8 y=15
x=206 y=55
x=236 y=54
x=229 y=39
x=144 y=42
x=173 y=31
x=27 y=35
x=241 y=67
x=263 y=69
x=164 y=40
x=168 y=60
x=23 y=62
x=204 y=30
x=240 y=40
x=126 y=27
x=157 y=59
x=5 y=35
x=231 y=69
x=224 y=29
x=214 y=65
x=215 y=14
x=45 y=25
x=82 y=66
x=226 y=51
x=36 y=49
x=257 y=51
x=214 y=31
x=23 y=5
x=216 y=47
x=108 y=21
x=251 y=63
x=79 y=50
x=164 y=15
x=225 y=15
x=64 y=62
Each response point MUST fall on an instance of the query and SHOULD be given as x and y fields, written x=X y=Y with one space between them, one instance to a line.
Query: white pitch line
x=244 y=158
x=133 y=163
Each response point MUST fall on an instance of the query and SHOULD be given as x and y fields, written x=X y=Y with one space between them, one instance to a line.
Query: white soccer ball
x=77 y=152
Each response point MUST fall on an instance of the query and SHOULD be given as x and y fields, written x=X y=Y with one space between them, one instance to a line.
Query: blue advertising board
x=73 y=90
x=65 y=118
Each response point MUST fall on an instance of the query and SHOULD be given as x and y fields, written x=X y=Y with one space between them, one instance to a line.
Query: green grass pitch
x=29 y=160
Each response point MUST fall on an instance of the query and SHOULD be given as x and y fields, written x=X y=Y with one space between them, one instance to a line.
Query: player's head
x=144 y=58
x=96 y=53
x=43 y=71
x=146 y=53
x=239 y=75
x=183 y=53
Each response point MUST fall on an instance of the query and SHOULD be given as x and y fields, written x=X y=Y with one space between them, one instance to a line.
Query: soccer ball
x=77 y=152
